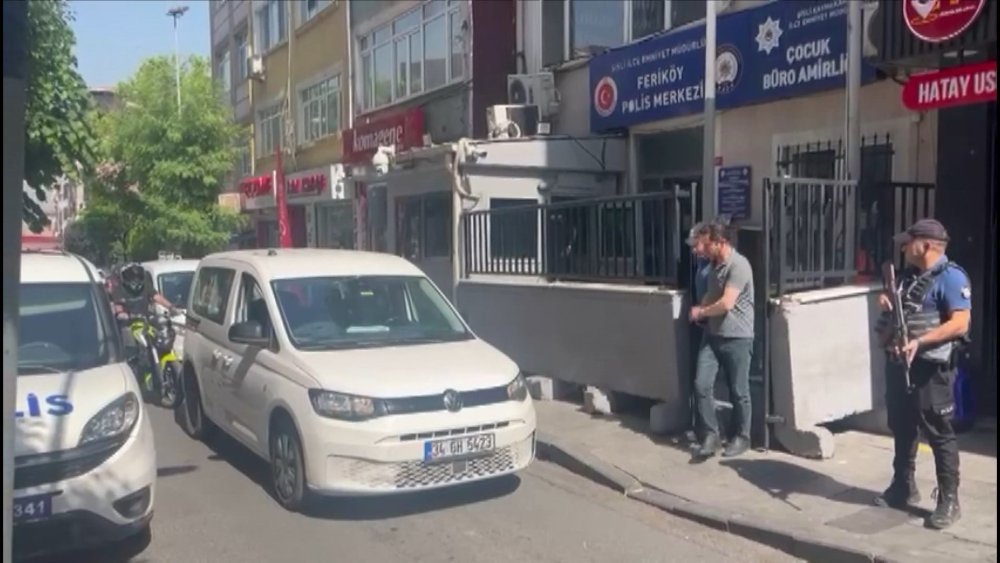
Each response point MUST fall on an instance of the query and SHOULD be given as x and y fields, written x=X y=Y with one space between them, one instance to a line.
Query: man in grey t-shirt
x=728 y=311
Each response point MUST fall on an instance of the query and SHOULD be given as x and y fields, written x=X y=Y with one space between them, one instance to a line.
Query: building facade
x=423 y=74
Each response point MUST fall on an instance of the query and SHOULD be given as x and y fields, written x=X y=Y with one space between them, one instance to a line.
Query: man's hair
x=714 y=231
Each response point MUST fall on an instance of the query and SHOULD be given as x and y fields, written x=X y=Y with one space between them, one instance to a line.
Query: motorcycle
x=157 y=364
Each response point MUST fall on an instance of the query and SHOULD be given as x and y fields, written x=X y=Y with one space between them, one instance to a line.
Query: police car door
x=244 y=369
x=206 y=338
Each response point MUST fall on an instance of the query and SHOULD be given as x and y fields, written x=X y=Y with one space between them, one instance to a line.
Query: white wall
x=627 y=339
x=752 y=135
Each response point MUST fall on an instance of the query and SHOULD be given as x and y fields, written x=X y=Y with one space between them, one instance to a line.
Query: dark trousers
x=928 y=408
x=732 y=357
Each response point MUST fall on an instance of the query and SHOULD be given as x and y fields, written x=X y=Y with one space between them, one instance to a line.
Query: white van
x=85 y=465
x=351 y=373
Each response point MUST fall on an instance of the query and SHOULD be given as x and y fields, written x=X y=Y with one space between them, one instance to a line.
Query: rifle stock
x=899 y=335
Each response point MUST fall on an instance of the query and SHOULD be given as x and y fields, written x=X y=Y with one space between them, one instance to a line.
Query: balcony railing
x=621 y=239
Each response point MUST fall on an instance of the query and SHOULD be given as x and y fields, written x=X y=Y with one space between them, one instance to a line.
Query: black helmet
x=133 y=278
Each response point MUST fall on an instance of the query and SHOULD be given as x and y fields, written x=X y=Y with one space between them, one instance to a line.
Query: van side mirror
x=250 y=333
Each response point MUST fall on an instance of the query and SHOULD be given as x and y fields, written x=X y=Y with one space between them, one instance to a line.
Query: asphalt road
x=212 y=507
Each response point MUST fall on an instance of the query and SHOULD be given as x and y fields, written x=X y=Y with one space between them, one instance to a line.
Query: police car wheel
x=288 y=476
x=189 y=410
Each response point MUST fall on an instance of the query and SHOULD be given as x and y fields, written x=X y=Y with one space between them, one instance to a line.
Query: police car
x=85 y=464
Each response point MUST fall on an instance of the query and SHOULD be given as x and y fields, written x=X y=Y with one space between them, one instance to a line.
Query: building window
x=244 y=160
x=417 y=52
x=579 y=28
x=224 y=71
x=320 y=109
x=423 y=226
x=272 y=24
x=309 y=8
x=244 y=54
x=269 y=125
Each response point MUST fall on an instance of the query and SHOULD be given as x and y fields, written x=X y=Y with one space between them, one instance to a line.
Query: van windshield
x=60 y=329
x=176 y=287
x=365 y=311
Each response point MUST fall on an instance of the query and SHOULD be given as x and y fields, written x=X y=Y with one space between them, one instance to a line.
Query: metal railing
x=620 y=239
x=808 y=225
x=884 y=209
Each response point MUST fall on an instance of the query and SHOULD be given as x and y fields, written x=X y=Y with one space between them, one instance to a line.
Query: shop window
x=211 y=294
x=593 y=26
x=423 y=226
x=319 y=110
x=335 y=226
x=513 y=234
x=419 y=51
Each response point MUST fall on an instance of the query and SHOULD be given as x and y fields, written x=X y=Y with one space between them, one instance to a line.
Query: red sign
x=404 y=131
x=256 y=186
x=957 y=86
x=304 y=186
x=940 y=20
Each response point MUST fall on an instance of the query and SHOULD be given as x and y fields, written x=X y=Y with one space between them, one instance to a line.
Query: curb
x=807 y=544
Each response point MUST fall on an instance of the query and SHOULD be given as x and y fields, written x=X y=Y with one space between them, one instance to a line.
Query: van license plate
x=32 y=508
x=458 y=447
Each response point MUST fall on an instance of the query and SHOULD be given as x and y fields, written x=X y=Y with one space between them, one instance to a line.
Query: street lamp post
x=176 y=12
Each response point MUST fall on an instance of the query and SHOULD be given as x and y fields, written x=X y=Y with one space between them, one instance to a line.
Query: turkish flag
x=284 y=228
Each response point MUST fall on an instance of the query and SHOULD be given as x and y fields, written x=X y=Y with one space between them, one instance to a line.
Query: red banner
x=284 y=230
x=969 y=84
x=404 y=131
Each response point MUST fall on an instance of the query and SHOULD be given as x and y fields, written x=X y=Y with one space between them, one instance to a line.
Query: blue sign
x=733 y=192
x=783 y=49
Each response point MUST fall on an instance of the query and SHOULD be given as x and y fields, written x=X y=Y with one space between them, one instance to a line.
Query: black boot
x=902 y=493
x=709 y=446
x=948 y=510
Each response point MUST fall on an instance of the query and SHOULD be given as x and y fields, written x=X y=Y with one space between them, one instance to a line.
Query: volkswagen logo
x=452 y=400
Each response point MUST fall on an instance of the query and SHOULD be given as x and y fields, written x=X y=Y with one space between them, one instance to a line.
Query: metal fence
x=884 y=209
x=620 y=239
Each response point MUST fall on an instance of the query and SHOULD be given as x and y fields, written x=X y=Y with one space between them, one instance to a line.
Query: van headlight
x=517 y=390
x=345 y=407
x=114 y=420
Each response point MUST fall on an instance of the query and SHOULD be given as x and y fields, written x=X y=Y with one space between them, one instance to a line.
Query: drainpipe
x=853 y=121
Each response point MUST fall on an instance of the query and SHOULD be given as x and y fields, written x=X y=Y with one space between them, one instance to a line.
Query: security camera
x=381 y=159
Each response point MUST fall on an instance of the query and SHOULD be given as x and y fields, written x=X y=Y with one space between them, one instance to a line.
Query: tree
x=161 y=172
x=58 y=141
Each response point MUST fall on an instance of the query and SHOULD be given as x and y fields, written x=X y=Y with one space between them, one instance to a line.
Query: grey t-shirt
x=738 y=322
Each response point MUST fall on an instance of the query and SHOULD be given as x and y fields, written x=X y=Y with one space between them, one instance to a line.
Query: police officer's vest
x=921 y=319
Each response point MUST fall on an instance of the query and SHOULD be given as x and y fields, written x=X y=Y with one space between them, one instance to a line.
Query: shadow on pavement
x=782 y=479
x=172 y=470
x=229 y=451
x=125 y=551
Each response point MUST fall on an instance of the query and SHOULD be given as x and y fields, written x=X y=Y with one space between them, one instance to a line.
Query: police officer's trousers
x=928 y=408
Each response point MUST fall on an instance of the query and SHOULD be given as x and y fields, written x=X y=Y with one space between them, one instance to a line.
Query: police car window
x=252 y=306
x=60 y=329
x=211 y=293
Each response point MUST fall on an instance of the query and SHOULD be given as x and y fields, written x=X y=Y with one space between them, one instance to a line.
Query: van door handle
x=227 y=361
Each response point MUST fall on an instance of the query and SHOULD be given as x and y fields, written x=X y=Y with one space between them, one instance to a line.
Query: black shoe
x=736 y=447
x=901 y=494
x=947 y=512
x=709 y=447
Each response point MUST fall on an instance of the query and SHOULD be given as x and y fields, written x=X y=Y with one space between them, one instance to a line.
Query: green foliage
x=58 y=140
x=160 y=174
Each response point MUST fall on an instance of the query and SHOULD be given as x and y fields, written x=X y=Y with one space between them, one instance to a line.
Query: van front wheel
x=288 y=473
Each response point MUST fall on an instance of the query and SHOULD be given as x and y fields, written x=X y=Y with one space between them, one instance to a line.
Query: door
x=210 y=301
x=244 y=374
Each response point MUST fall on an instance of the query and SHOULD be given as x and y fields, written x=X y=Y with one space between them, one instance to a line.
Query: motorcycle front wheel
x=170 y=375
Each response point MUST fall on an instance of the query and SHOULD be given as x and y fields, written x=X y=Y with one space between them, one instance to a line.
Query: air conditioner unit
x=534 y=90
x=256 y=65
x=871 y=17
x=512 y=121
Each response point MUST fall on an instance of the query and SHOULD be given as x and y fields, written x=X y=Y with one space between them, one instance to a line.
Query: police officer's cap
x=930 y=229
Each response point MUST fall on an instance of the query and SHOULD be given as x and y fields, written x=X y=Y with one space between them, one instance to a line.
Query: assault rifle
x=899 y=335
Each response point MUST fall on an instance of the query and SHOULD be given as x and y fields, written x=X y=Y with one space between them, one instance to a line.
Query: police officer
x=936 y=298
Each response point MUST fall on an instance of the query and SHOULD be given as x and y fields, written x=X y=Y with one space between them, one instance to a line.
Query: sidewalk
x=815 y=510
